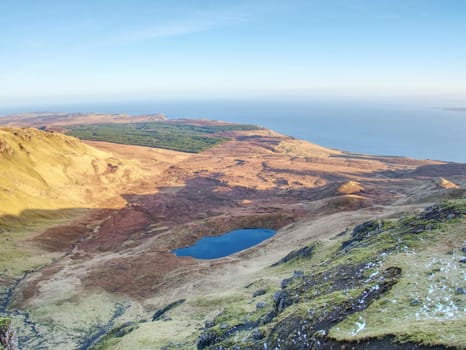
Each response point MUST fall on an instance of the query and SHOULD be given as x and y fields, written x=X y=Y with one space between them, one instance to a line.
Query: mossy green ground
x=4 y=322
x=423 y=307
x=17 y=254
x=4 y=325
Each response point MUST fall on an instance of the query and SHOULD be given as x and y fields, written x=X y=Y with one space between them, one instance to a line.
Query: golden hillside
x=48 y=170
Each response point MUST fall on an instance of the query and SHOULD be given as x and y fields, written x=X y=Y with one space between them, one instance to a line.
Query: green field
x=175 y=136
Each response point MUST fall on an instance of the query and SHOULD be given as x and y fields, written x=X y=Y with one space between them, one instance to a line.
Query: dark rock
x=124 y=329
x=161 y=312
x=292 y=333
x=259 y=292
x=342 y=233
x=382 y=343
x=276 y=297
x=342 y=277
x=206 y=339
x=460 y=290
x=286 y=282
x=7 y=335
x=281 y=300
x=209 y=324
x=463 y=260
x=415 y=302
x=419 y=229
x=305 y=252
x=268 y=317
x=260 y=305
x=392 y=272
x=463 y=249
x=430 y=218
x=257 y=334
x=298 y=332
x=364 y=231
x=440 y=213
x=240 y=327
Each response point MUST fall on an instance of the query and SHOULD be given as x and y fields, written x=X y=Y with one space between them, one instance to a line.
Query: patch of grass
x=214 y=301
x=4 y=325
x=177 y=333
x=423 y=307
x=4 y=322
x=179 y=137
x=17 y=255
x=111 y=338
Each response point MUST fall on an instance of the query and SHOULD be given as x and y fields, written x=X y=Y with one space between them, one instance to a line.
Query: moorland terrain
x=369 y=251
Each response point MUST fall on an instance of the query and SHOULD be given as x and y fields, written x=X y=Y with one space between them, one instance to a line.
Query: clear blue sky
x=52 y=50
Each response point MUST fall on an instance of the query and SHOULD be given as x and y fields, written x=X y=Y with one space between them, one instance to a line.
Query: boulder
x=260 y=305
x=257 y=334
x=259 y=292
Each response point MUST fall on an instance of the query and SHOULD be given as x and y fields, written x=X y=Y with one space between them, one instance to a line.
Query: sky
x=88 y=50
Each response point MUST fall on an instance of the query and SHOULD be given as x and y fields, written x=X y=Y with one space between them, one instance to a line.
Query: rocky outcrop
x=303 y=314
x=7 y=335
x=305 y=252
x=431 y=218
x=161 y=312
x=364 y=231
x=301 y=333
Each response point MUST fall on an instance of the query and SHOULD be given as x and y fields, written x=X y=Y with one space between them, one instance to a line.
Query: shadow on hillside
x=178 y=216
x=208 y=200
x=53 y=230
x=432 y=170
x=200 y=199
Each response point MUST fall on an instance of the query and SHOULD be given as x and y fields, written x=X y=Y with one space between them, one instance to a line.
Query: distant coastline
x=410 y=130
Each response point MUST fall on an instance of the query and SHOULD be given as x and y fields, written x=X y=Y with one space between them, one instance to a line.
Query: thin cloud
x=202 y=22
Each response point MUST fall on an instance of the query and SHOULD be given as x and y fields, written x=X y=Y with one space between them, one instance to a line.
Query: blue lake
x=224 y=245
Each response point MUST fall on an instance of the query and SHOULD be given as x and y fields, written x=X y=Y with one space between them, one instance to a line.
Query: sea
x=416 y=130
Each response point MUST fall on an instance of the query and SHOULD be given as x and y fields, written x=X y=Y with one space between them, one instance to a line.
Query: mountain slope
x=393 y=283
x=48 y=179
x=385 y=280
x=47 y=170
x=86 y=249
